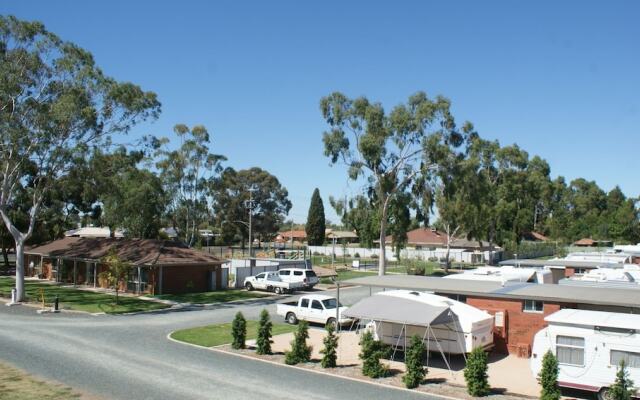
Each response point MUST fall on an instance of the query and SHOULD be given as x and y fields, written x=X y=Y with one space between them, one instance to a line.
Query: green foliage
x=413 y=361
x=475 y=373
x=300 y=352
x=548 y=378
x=116 y=272
x=359 y=214
x=622 y=389
x=230 y=194
x=239 y=331
x=371 y=351
x=330 y=350
x=315 y=226
x=263 y=341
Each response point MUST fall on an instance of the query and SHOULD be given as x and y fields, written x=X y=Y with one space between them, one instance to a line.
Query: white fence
x=456 y=255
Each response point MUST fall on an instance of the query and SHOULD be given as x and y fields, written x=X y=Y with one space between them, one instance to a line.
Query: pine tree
x=623 y=388
x=475 y=373
x=548 y=377
x=371 y=352
x=263 y=342
x=315 y=226
x=299 y=352
x=239 y=331
x=413 y=357
x=330 y=351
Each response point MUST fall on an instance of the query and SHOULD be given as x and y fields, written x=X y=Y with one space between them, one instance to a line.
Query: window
x=260 y=276
x=297 y=273
x=285 y=272
x=570 y=350
x=579 y=271
x=316 y=305
x=330 y=304
x=533 y=306
x=311 y=274
x=304 y=303
x=631 y=360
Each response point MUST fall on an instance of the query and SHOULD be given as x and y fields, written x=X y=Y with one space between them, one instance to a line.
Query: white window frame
x=635 y=353
x=533 y=311
x=569 y=346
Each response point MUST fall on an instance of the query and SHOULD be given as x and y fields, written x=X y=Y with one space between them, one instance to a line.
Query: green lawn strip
x=220 y=296
x=348 y=274
x=81 y=300
x=216 y=335
x=18 y=385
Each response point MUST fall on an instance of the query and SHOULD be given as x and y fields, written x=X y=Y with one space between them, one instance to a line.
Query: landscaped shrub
x=433 y=259
x=263 y=342
x=374 y=256
x=548 y=377
x=475 y=373
x=239 y=331
x=356 y=255
x=371 y=351
x=300 y=351
x=622 y=389
x=330 y=350
x=413 y=357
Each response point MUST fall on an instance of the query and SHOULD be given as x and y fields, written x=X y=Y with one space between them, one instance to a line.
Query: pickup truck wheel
x=278 y=290
x=603 y=394
x=248 y=286
x=331 y=322
x=291 y=318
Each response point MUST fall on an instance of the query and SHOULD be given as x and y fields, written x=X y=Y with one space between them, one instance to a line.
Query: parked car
x=313 y=308
x=271 y=282
x=308 y=278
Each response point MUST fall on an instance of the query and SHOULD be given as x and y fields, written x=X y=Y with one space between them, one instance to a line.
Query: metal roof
x=399 y=310
x=561 y=263
x=602 y=319
x=520 y=291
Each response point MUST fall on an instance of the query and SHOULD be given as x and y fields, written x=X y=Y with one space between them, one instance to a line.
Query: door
x=316 y=312
x=260 y=282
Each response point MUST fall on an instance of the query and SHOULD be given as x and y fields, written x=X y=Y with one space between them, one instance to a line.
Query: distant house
x=159 y=266
x=341 y=236
x=534 y=237
x=588 y=242
x=428 y=238
x=94 y=232
x=297 y=236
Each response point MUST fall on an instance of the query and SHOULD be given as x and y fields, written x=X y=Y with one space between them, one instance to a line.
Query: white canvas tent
x=445 y=325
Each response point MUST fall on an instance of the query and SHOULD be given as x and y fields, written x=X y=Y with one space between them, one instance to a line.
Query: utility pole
x=250 y=204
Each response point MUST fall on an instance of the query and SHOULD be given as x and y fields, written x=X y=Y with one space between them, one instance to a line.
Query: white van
x=305 y=276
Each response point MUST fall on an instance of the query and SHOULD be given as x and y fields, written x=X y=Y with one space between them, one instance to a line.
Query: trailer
x=589 y=346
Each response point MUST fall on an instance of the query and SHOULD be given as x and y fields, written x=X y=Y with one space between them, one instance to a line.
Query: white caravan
x=505 y=274
x=471 y=327
x=589 y=346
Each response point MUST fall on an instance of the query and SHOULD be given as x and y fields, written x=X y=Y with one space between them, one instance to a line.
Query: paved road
x=129 y=357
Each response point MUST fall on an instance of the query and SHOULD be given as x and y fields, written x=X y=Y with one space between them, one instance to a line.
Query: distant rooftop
x=561 y=263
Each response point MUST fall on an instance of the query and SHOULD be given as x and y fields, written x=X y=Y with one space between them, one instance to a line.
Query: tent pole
x=441 y=351
x=423 y=336
x=397 y=343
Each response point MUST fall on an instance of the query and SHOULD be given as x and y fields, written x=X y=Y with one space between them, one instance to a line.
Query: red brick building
x=158 y=266
x=519 y=308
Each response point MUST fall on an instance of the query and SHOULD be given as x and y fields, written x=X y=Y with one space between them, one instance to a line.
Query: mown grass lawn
x=81 y=300
x=220 y=296
x=18 y=385
x=216 y=335
x=343 y=275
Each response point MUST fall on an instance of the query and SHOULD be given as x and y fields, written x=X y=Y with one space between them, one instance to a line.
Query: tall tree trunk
x=20 y=270
x=382 y=261
x=5 y=256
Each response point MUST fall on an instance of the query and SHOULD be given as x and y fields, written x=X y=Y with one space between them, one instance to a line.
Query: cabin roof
x=590 y=318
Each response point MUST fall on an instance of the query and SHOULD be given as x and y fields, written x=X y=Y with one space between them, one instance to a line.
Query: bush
x=263 y=342
x=330 y=351
x=374 y=256
x=433 y=259
x=356 y=255
x=371 y=351
x=622 y=389
x=475 y=373
x=548 y=377
x=419 y=270
x=239 y=331
x=299 y=352
x=413 y=357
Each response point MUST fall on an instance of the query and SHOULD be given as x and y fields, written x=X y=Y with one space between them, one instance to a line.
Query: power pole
x=250 y=205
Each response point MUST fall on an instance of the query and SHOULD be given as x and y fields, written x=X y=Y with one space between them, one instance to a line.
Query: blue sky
x=560 y=79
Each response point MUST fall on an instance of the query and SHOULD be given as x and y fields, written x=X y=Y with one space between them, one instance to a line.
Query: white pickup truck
x=313 y=308
x=271 y=282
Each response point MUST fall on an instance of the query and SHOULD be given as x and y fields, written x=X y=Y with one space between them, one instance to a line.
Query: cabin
x=158 y=266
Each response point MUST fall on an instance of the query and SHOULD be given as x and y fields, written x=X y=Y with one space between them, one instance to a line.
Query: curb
x=218 y=349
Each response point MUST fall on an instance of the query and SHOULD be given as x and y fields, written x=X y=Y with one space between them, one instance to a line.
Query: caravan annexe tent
x=453 y=327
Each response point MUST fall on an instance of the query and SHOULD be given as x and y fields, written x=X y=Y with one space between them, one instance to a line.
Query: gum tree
x=54 y=102
x=386 y=150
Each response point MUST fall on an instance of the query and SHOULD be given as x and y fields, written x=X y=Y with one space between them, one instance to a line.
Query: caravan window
x=631 y=360
x=570 y=350
x=533 y=306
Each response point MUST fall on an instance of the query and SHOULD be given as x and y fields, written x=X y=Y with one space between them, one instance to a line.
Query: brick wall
x=519 y=327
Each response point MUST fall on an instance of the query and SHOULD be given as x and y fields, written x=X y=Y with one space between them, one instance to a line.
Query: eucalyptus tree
x=54 y=103
x=186 y=173
x=386 y=150
x=359 y=215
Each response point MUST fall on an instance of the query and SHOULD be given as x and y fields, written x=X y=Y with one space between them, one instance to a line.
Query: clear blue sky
x=560 y=79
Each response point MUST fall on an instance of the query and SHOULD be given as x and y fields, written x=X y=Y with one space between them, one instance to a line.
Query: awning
x=400 y=311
